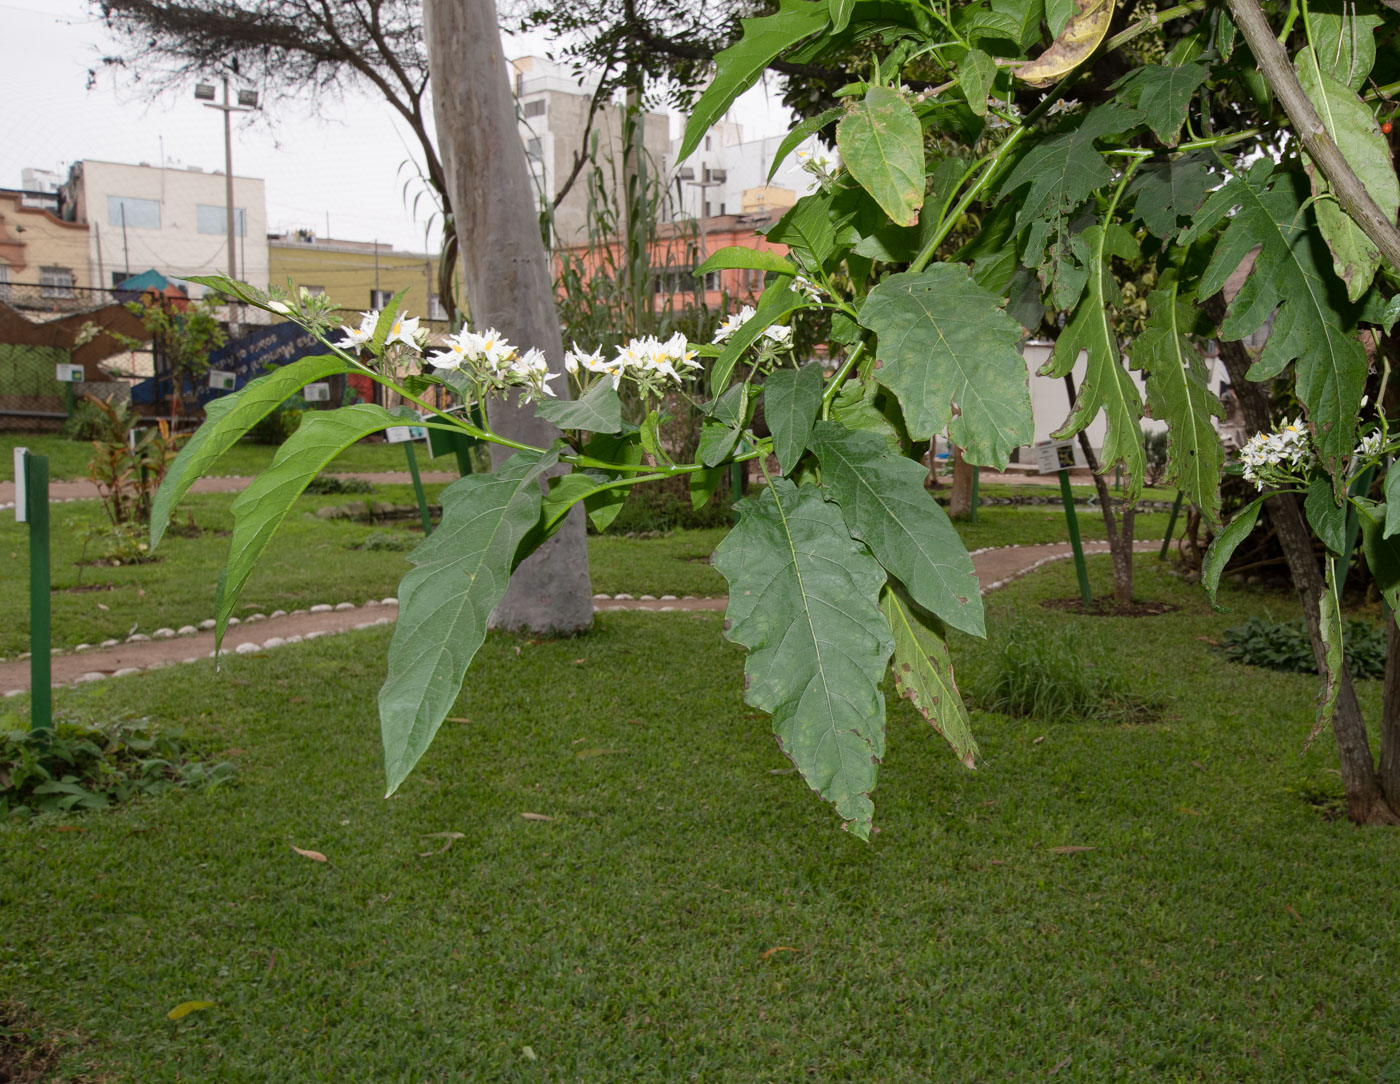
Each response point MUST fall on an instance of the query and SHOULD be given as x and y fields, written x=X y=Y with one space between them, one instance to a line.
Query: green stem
x=839 y=377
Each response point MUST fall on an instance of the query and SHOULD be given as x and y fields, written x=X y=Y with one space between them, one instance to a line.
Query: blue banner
x=246 y=358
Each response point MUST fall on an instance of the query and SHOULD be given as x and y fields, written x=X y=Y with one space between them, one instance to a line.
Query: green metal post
x=1359 y=488
x=1171 y=526
x=69 y=403
x=36 y=487
x=418 y=488
x=1081 y=570
x=463 y=449
x=976 y=485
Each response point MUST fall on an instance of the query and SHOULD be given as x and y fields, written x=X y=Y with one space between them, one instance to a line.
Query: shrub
x=329 y=483
x=86 y=766
x=96 y=419
x=384 y=541
x=1284 y=645
x=1041 y=674
x=657 y=510
x=276 y=427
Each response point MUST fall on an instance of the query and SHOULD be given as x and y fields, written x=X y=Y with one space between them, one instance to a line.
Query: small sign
x=66 y=373
x=398 y=434
x=316 y=393
x=1054 y=456
x=222 y=379
x=21 y=506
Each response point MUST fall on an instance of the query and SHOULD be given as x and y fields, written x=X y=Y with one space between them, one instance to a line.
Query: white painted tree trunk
x=506 y=275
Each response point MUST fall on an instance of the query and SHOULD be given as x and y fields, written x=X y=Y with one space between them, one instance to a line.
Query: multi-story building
x=355 y=274
x=552 y=111
x=728 y=174
x=43 y=259
x=174 y=221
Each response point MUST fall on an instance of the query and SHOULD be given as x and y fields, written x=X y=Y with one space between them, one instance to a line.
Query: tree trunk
x=1366 y=801
x=506 y=274
x=960 y=499
x=934 y=482
x=1119 y=528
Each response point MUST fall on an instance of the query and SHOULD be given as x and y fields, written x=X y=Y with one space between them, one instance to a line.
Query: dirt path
x=227 y=483
x=995 y=568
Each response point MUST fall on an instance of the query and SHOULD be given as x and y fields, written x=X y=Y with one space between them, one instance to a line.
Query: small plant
x=100 y=420
x=330 y=483
x=1154 y=446
x=127 y=469
x=384 y=542
x=83 y=766
x=1284 y=645
x=1042 y=675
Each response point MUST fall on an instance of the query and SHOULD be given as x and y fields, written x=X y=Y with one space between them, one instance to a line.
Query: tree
x=182 y=335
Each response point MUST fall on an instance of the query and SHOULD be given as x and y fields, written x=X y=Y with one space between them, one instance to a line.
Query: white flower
x=779 y=334
x=1370 y=444
x=357 y=337
x=575 y=359
x=280 y=306
x=404 y=330
x=806 y=287
x=493 y=348
x=733 y=323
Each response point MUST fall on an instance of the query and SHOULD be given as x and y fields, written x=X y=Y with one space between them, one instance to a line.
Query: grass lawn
x=68 y=459
x=691 y=911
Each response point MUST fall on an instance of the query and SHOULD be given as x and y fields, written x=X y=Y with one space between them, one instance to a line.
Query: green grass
x=68 y=459
x=1220 y=931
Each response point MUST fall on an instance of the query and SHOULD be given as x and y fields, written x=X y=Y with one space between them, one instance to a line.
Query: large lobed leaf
x=462 y=572
x=260 y=509
x=1162 y=92
x=1178 y=394
x=944 y=340
x=791 y=398
x=1107 y=385
x=923 y=671
x=882 y=144
x=599 y=410
x=227 y=418
x=803 y=600
x=1312 y=321
x=885 y=505
x=1165 y=192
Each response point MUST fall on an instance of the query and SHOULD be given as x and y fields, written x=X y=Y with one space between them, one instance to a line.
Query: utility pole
x=702 y=218
x=247 y=102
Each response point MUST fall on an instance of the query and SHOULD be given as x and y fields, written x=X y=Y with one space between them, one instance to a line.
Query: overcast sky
x=349 y=167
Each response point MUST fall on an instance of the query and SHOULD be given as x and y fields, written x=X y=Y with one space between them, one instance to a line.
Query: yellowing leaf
x=186 y=1007
x=1080 y=37
x=535 y=817
x=315 y=856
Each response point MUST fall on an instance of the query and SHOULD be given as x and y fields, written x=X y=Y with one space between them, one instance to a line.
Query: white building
x=174 y=221
x=727 y=174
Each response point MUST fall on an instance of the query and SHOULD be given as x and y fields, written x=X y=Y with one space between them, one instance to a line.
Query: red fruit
x=1386 y=127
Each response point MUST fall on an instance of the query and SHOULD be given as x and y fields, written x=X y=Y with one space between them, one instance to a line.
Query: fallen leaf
x=1198 y=764
x=1038 y=740
x=102 y=606
x=777 y=948
x=234 y=752
x=1289 y=908
x=1188 y=811
x=296 y=700
x=451 y=837
x=579 y=662
x=69 y=828
x=528 y=1053
x=1071 y=850
x=996 y=862
x=583 y=753
x=187 y=1007
x=535 y=817
x=781 y=771
x=271 y=959
x=315 y=856
x=636 y=722
x=458 y=719
x=1068 y=1059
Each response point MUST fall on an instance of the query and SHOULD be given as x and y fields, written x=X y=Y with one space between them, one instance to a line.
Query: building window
x=535 y=108
x=721 y=208
x=707 y=142
x=318 y=291
x=379 y=298
x=687 y=173
x=213 y=219
x=4 y=280
x=133 y=213
x=55 y=282
x=534 y=149
x=711 y=280
x=436 y=310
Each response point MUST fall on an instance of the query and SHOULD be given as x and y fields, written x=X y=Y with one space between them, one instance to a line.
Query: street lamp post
x=247 y=102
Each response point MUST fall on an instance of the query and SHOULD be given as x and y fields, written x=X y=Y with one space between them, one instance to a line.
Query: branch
x=1350 y=192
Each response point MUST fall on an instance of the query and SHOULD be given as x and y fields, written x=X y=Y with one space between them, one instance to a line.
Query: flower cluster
x=404 y=330
x=650 y=363
x=778 y=333
x=1278 y=458
x=488 y=360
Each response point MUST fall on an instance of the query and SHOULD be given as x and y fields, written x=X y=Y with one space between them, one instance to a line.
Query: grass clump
x=331 y=483
x=86 y=766
x=1038 y=673
x=1284 y=645
x=387 y=542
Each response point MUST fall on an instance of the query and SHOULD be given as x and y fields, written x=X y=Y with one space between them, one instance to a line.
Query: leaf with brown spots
x=923 y=671
x=1076 y=43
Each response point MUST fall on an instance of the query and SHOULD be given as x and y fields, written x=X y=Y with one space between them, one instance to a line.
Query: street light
x=247 y=101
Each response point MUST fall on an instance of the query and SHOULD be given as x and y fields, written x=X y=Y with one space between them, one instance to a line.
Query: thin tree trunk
x=1390 y=713
x=934 y=482
x=506 y=274
x=960 y=499
x=1119 y=528
x=1366 y=801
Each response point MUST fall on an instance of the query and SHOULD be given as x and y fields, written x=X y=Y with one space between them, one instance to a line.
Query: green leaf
x=807 y=230
x=598 y=411
x=840 y=14
x=1107 y=385
x=753 y=259
x=384 y=325
x=602 y=508
x=794 y=138
x=1312 y=323
x=1162 y=93
x=738 y=67
x=882 y=144
x=803 y=600
x=1353 y=128
x=703 y=484
x=186 y=1007
x=791 y=398
x=923 y=671
x=260 y=509
x=650 y=436
x=1392 y=501
x=776 y=303
x=975 y=76
x=885 y=505
x=1025 y=16
x=866 y=407
x=1345 y=41
x=1329 y=626
x=445 y=602
x=1165 y=192
x=1326 y=517
x=1382 y=552
x=1223 y=546
x=946 y=340
x=1179 y=395
x=227 y=418
x=563 y=492
x=1057 y=14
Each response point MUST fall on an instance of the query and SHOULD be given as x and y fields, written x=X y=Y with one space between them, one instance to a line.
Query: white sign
x=21 y=507
x=316 y=393
x=69 y=374
x=398 y=434
x=221 y=380
x=1054 y=456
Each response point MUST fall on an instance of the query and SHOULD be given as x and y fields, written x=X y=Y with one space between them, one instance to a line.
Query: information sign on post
x=222 y=379
x=66 y=373
x=317 y=393
x=1057 y=457
x=1054 y=455
x=397 y=434
x=21 y=490
x=406 y=435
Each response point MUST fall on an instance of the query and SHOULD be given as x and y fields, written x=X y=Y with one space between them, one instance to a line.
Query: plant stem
x=839 y=377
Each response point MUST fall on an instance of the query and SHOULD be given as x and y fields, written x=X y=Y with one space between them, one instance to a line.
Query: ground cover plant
x=1214 y=932
x=1283 y=645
